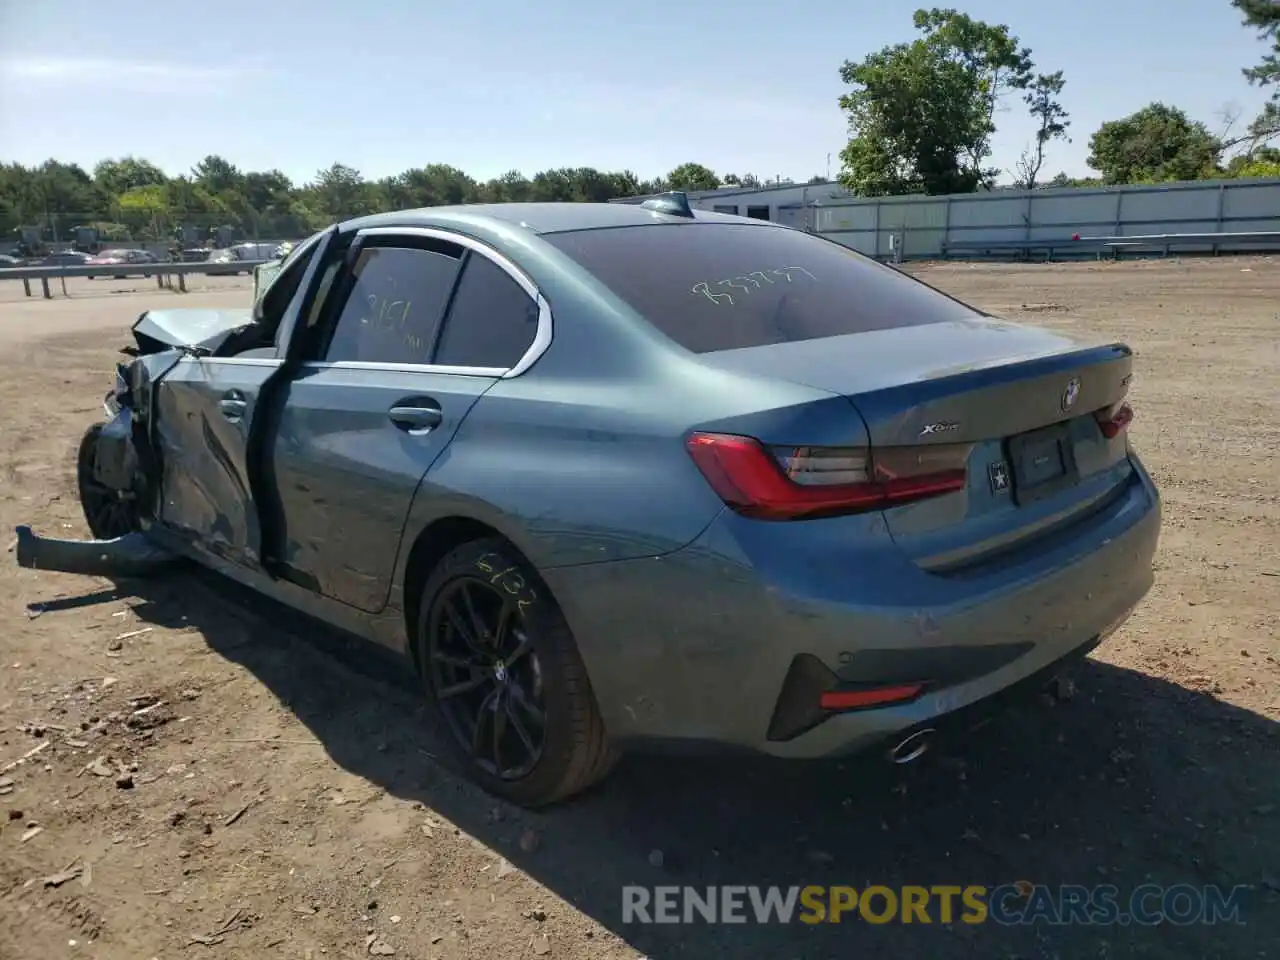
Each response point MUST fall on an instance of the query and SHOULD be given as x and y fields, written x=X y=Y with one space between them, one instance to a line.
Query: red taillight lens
x=797 y=483
x=1114 y=419
x=870 y=697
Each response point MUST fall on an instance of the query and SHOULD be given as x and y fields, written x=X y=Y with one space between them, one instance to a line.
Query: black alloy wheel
x=486 y=677
x=109 y=513
x=504 y=674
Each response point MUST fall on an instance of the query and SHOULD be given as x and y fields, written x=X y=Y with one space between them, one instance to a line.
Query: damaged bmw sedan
x=610 y=475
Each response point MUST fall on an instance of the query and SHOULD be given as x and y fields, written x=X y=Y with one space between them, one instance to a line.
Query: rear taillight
x=798 y=483
x=1114 y=419
x=869 y=697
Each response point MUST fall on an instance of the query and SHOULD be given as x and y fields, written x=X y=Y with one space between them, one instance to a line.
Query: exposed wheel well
x=433 y=543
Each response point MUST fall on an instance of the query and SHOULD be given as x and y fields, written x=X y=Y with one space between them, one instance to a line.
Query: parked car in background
x=8 y=261
x=232 y=257
x=228 y=263
x=108 y=258
x=195 y=254
x=611 y=475
x=64 y=258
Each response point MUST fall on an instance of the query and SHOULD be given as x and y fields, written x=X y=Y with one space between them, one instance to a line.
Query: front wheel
x=109 y=513
x=503 y=672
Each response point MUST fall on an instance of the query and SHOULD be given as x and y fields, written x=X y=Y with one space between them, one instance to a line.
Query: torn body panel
x=205 y=488
x=145 y=451
x=198 y=331
x=133 y=555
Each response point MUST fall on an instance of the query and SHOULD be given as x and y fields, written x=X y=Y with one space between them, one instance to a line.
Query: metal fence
x=46 y=280
x=1243 y=212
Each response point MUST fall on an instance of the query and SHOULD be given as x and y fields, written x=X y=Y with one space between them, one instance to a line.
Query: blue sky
x=492 y=85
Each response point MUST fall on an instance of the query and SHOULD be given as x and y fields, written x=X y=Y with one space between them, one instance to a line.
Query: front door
x=209 y=411
x=206 y=408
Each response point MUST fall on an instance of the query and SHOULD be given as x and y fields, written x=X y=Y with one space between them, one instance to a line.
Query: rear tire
x=495 y=654
x=109 y=513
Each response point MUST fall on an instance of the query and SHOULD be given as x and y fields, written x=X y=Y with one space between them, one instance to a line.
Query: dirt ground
x=200 y=774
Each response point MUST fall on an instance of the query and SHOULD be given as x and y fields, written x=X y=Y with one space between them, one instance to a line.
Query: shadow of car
x=1118 y=780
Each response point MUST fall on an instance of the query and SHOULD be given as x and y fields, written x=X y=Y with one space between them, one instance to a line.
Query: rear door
x=420 y=324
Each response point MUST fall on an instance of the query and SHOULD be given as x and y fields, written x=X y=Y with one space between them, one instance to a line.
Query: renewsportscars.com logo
x=1011 y=904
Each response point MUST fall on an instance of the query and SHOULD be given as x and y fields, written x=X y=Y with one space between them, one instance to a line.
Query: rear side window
x=721 y=286
x=492 y=321
x=393 y=311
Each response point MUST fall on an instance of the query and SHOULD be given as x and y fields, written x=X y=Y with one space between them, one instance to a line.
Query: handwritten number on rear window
x=746 y=284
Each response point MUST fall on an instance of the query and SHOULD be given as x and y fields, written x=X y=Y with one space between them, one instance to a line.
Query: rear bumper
x=693 y=648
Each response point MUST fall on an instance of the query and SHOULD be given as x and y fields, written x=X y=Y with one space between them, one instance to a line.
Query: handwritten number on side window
x=387 y=316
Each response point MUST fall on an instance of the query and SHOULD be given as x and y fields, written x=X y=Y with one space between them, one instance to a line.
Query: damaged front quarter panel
x=200 y=331
x=125 y=455
x=128 y=455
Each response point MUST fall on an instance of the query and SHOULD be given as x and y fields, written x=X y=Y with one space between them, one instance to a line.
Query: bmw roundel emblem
x=1070 y=394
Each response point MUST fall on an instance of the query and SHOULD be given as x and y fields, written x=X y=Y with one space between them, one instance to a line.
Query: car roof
x=538 y=217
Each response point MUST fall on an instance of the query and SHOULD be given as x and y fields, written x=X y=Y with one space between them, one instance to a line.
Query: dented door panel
x=202 y=421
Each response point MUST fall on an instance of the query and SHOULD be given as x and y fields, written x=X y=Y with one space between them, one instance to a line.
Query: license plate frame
x=1033 y=478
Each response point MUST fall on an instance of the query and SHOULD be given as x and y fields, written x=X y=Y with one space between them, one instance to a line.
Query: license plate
x=1043 y=463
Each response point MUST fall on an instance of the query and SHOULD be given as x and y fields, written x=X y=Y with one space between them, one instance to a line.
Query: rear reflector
x=875 y=697
x=1114 y=419
x=796 y=483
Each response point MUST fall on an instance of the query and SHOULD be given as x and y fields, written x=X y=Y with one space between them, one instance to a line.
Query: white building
x=787 y=203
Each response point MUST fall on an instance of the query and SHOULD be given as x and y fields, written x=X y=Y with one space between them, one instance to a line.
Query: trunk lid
x=1023 y=399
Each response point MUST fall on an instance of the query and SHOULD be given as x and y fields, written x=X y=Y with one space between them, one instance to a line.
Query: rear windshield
x=722 y=286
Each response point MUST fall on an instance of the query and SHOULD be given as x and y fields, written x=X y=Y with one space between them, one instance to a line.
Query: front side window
x=393 y=312
x=491 y=322
x=723 y=286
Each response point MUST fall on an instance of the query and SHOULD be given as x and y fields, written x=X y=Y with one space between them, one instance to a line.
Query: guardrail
x=1164 y=242
x=161 y=271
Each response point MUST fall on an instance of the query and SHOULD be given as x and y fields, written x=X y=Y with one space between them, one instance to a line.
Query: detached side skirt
x=133 y=555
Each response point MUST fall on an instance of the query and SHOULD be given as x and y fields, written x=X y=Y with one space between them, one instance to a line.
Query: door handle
x=233 y=405
x=415 y=418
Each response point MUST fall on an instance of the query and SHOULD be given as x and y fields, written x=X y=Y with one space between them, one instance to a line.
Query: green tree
x=1262 y=162
x=1263 y=16
x=990 y=53
x=131 y=198
x=692 y=176
x=114 y=177
x=338 y=192
x=269 y=190
x=1155 y=144
x=921 y=114
x=1041 y=98
x=217 y=175
x=511 y=187
x=145 y=211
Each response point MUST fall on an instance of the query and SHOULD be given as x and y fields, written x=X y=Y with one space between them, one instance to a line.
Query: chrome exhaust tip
x=913 y=747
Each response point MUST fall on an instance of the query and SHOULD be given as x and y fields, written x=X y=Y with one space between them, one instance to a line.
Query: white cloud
x=105 y=73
